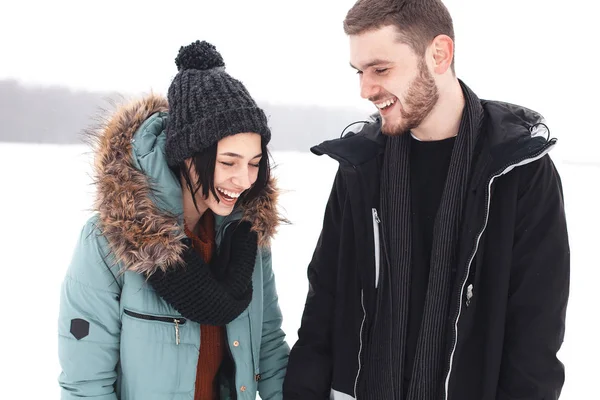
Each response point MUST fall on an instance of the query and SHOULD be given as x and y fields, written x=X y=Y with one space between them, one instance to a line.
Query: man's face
x=394 y=78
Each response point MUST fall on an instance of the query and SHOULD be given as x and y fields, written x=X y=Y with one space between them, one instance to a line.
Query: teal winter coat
x=117 y=338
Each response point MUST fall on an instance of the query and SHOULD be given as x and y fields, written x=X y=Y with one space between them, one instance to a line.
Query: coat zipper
x=376 y=222
x=376 y=226
x=506 y=169
x=362 y=303
x=172 y=320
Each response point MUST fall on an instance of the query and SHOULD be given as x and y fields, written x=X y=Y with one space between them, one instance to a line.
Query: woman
x=170 y=293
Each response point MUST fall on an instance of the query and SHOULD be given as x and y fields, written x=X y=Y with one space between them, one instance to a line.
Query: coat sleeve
x=89 y=324
x=539 y=289
x=274 y=350
x=311 y=361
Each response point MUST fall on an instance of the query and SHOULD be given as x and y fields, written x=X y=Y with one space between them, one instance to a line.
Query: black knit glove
x=212 y=294
x=238 y=246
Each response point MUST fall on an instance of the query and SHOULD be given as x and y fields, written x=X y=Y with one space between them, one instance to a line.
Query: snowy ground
x=45 y=199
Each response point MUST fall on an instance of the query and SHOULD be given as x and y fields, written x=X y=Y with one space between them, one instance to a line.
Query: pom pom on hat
x=199 y=55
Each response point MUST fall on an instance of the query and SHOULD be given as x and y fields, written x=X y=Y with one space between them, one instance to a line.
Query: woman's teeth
x=229 y=194
x=385 y=104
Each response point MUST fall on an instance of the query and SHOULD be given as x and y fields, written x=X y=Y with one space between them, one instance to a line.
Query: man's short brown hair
x=418 y=21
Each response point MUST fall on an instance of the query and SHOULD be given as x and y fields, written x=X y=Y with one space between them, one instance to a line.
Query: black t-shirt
x=429 y=163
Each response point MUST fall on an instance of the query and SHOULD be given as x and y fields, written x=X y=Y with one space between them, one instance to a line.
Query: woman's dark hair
x=204 y=163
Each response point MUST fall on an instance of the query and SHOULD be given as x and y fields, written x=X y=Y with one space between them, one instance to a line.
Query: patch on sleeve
x=80 y=328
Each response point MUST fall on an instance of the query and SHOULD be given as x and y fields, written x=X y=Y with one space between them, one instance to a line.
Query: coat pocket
x=377 y=245
x=176 y=321
x=157 y=353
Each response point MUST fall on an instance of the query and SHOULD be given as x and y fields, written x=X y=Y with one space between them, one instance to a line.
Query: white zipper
x=362 y=303
x=376 y=222
x=462 y=289
x=469 y=295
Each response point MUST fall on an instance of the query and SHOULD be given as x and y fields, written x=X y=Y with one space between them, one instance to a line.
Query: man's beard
x=421 y=97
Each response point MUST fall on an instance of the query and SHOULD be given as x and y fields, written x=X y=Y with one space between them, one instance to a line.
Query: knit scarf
x=384 y=356
x=215 y=293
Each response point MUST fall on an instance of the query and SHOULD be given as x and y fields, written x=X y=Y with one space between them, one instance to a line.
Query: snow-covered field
x=45 y=197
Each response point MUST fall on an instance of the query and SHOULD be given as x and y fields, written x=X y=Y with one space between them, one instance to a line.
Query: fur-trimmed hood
x=138 y=198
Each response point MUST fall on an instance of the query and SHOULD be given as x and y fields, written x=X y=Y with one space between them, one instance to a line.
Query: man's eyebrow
x=372 y=63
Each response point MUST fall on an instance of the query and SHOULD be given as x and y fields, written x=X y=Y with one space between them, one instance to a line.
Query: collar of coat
x=142 y=236
x=511 y=132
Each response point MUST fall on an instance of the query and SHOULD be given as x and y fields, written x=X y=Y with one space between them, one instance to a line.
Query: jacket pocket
x=158 y=353
x=176 y=321
x=376 y=222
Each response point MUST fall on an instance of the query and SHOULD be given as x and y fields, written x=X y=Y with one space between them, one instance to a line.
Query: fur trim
x=140 y=235
x=262 y=213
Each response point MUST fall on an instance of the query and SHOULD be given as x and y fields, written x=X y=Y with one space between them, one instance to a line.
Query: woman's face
x=236 y=170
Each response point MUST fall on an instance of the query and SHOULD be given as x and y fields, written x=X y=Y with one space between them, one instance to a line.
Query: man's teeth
x=385 y=103
x=228 y=193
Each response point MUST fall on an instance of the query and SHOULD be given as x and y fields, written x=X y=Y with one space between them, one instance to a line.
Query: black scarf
x=215 y=293
x=384 y=357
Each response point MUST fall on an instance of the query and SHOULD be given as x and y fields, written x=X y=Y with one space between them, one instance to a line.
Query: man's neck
x=444 y=120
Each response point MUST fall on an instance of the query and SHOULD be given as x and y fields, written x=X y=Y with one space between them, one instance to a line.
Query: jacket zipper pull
x=176 y=331
x=469 y=294
x=376 y=215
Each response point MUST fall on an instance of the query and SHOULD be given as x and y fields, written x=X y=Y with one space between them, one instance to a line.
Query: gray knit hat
x=206 y=104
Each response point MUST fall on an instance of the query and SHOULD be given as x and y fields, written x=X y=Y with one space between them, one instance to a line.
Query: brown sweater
x=212 y=337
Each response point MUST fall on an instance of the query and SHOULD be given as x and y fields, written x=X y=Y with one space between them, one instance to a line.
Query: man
x=442 y=269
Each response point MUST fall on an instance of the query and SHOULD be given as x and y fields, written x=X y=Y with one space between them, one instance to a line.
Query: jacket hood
x=139 y=198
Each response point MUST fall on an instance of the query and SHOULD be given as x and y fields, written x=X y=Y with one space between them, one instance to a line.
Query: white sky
x=537 y=53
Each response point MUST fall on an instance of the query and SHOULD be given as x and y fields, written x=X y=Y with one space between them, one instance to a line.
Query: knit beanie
x=206 y=104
